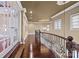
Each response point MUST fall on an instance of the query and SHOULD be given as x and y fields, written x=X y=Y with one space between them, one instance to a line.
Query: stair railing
x=61 y=46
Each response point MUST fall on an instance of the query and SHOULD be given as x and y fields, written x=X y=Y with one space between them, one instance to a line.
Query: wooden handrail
x=54 y=35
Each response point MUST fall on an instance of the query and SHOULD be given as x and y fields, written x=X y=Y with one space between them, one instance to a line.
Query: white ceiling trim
x=62 y=2
x=21 y=7
x=67 y=9
x=19 y=4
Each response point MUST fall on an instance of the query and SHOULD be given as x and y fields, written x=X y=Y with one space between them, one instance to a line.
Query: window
x=57 y=24
x=46 y=28
x=74 y=21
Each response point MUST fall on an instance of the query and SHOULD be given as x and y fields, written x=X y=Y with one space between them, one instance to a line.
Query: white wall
x=38 y=26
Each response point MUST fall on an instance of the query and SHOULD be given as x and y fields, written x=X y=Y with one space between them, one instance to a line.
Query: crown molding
x=67 y=9
x=19 y=4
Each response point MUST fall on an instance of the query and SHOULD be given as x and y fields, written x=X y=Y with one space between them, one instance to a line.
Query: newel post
x=37 y=42
x=69 y=46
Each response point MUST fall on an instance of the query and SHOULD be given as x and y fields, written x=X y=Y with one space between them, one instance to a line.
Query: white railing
x=54 y=43
x=61 y=46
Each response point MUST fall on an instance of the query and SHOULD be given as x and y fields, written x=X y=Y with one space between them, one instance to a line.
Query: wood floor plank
x=19 y=53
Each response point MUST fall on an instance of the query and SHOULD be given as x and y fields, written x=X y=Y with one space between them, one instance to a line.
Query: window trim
x=56 y=20
x=71 y=22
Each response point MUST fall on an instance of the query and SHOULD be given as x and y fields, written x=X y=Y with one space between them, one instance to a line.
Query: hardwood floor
x=45 y=52
x=30 y=50
x=26 y=51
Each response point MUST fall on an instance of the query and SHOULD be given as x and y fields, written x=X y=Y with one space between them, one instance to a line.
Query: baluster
x=78 y=54
x=57 y=43
x=64 y=47
x=65 y=50
x=75 y=53
x=52 y=39
x=60 y=45
x=54 y=42
x=51 y=42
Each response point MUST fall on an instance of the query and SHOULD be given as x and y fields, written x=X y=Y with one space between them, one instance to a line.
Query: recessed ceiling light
x=30 y=12
x=43 y=20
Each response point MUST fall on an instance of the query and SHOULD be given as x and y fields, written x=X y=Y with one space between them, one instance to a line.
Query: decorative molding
x=62 y=2
x=19 y=4
x=67 y=9
x=21 y=7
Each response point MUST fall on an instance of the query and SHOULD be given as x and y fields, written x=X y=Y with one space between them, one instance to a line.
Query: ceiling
x=43 y=10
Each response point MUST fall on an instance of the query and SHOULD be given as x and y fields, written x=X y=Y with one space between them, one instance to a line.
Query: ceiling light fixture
x=43 y=20
x=30 y=12
x=62 y=2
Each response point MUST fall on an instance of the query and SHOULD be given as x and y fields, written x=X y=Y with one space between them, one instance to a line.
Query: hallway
x=45 y=52
x=39 y=29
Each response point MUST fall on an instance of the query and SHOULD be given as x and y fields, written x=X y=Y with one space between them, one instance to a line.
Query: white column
x=21 y=23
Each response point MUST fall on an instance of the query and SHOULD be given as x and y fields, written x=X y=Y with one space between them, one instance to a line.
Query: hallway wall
x=65 y=30
x=38 y=26
x=25 y=27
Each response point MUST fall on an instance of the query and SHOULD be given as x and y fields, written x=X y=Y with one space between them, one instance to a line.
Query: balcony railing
x=63 y=47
